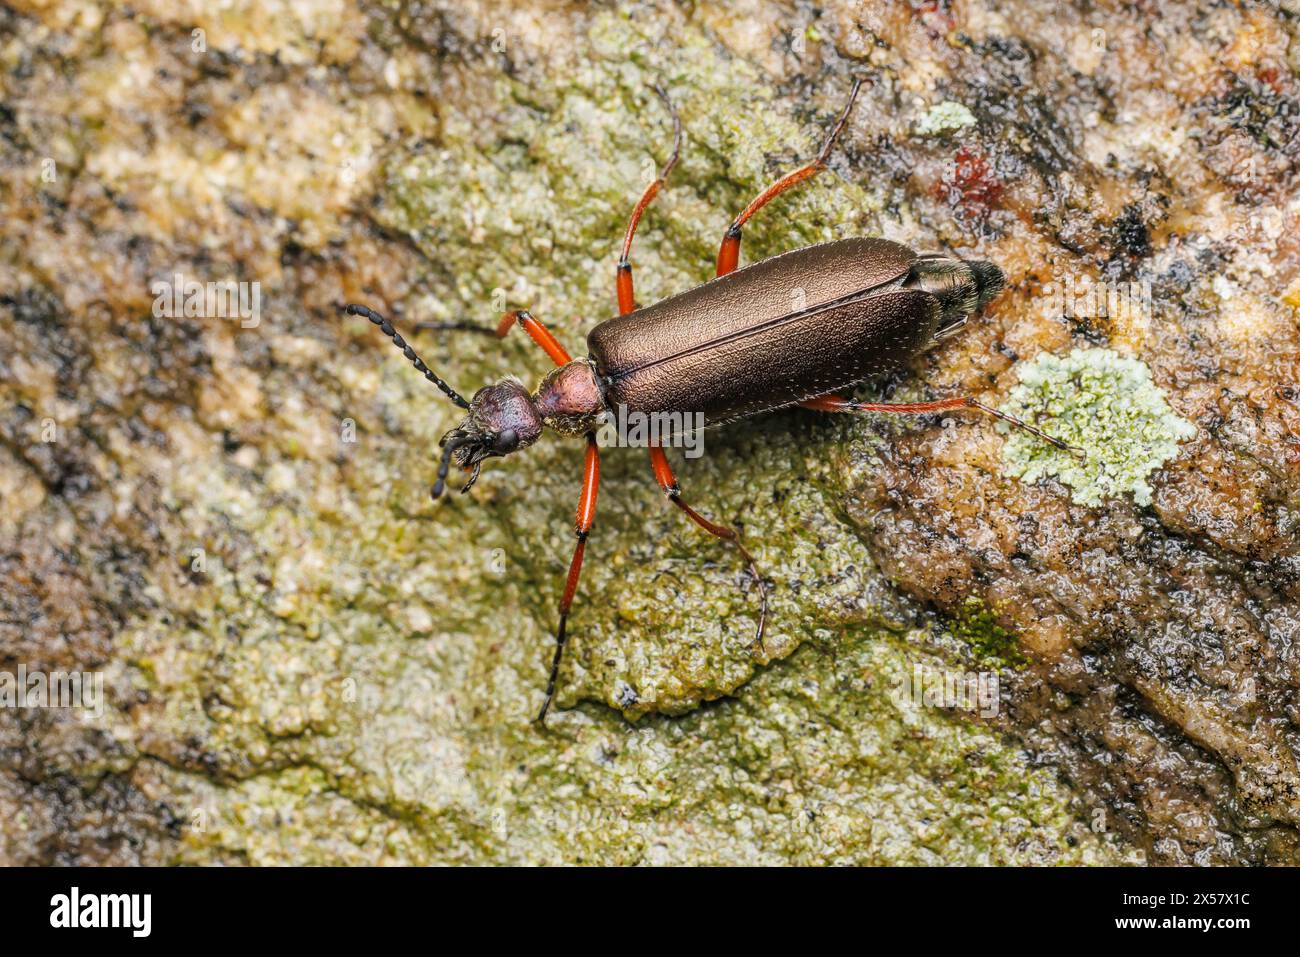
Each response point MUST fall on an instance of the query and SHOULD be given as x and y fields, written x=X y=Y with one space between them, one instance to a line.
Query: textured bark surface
x=307 y=661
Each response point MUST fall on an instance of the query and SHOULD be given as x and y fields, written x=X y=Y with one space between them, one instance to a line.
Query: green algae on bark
x=989 y=641
x=1100 y=402
x=826 y=759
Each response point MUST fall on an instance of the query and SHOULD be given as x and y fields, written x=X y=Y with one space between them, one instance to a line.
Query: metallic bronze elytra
x=790 y=330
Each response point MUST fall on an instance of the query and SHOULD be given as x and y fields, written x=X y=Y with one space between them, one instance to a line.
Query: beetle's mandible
x=791 y=330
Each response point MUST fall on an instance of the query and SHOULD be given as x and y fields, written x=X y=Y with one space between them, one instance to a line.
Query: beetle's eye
x=505 y=441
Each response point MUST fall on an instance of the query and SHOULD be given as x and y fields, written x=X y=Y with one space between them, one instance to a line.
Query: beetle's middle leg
x=586 y=518
x=623 y=280
x=668 y=482
x=729 y=251
x=834 y=403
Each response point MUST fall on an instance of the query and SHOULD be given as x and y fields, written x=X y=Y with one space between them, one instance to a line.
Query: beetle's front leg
x=586 y=517
x=533 y=326
x=539 y=333
x=668 y=482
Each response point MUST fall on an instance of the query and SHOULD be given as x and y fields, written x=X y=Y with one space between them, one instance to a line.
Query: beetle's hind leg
x=834 y=403
x=729 y=251
x=623 y=279
x=668 y=482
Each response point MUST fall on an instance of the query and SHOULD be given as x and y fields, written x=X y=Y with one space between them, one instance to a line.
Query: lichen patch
x=1106 y=405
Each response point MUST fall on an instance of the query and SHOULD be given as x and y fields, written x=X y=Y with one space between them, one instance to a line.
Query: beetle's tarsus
x=478 y=467
x=1021 y=424
x=840 y=123
x=834 y=403
x=460 y=326
x=677 y=129
x=555 y=668
x=762 y=597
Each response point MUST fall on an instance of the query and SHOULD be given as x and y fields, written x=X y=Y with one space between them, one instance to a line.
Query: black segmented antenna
x=444 y=464
x=387 y=328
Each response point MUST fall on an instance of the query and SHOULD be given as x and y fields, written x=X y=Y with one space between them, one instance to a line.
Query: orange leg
x=668 y=482
x=586 y=516
x=729 y=251
x=540 y=334
x=833 y=403
x=626 y=298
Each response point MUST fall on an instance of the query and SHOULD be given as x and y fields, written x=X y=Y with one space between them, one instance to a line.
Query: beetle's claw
x=762 y=597
x=1063 y=446
x=540 y=720
x=472 y=479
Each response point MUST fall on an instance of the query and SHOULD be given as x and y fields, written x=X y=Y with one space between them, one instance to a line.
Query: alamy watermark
x=1079 y=297
x=53 y=689
x=975 y=692
x=628 y=428
x=179 y=297
x=129 y=911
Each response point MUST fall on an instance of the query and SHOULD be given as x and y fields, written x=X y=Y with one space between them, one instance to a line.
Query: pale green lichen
x=945 y=117
x=1103 y=403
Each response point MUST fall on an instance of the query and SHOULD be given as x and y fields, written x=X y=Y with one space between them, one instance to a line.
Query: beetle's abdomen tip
x=989 y=281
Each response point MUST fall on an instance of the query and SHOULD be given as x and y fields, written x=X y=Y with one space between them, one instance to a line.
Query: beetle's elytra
x=790 y=330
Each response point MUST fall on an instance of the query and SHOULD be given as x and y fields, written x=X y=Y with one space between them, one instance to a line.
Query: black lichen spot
x=1129 y=240
x=1267 y=116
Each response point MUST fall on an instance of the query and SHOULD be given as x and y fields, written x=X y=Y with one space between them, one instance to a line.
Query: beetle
x=791 y=330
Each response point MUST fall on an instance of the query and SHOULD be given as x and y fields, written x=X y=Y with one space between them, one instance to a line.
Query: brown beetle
x=790 y=330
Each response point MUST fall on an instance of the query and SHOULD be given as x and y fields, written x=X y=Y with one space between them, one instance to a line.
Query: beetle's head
x=501 y=419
